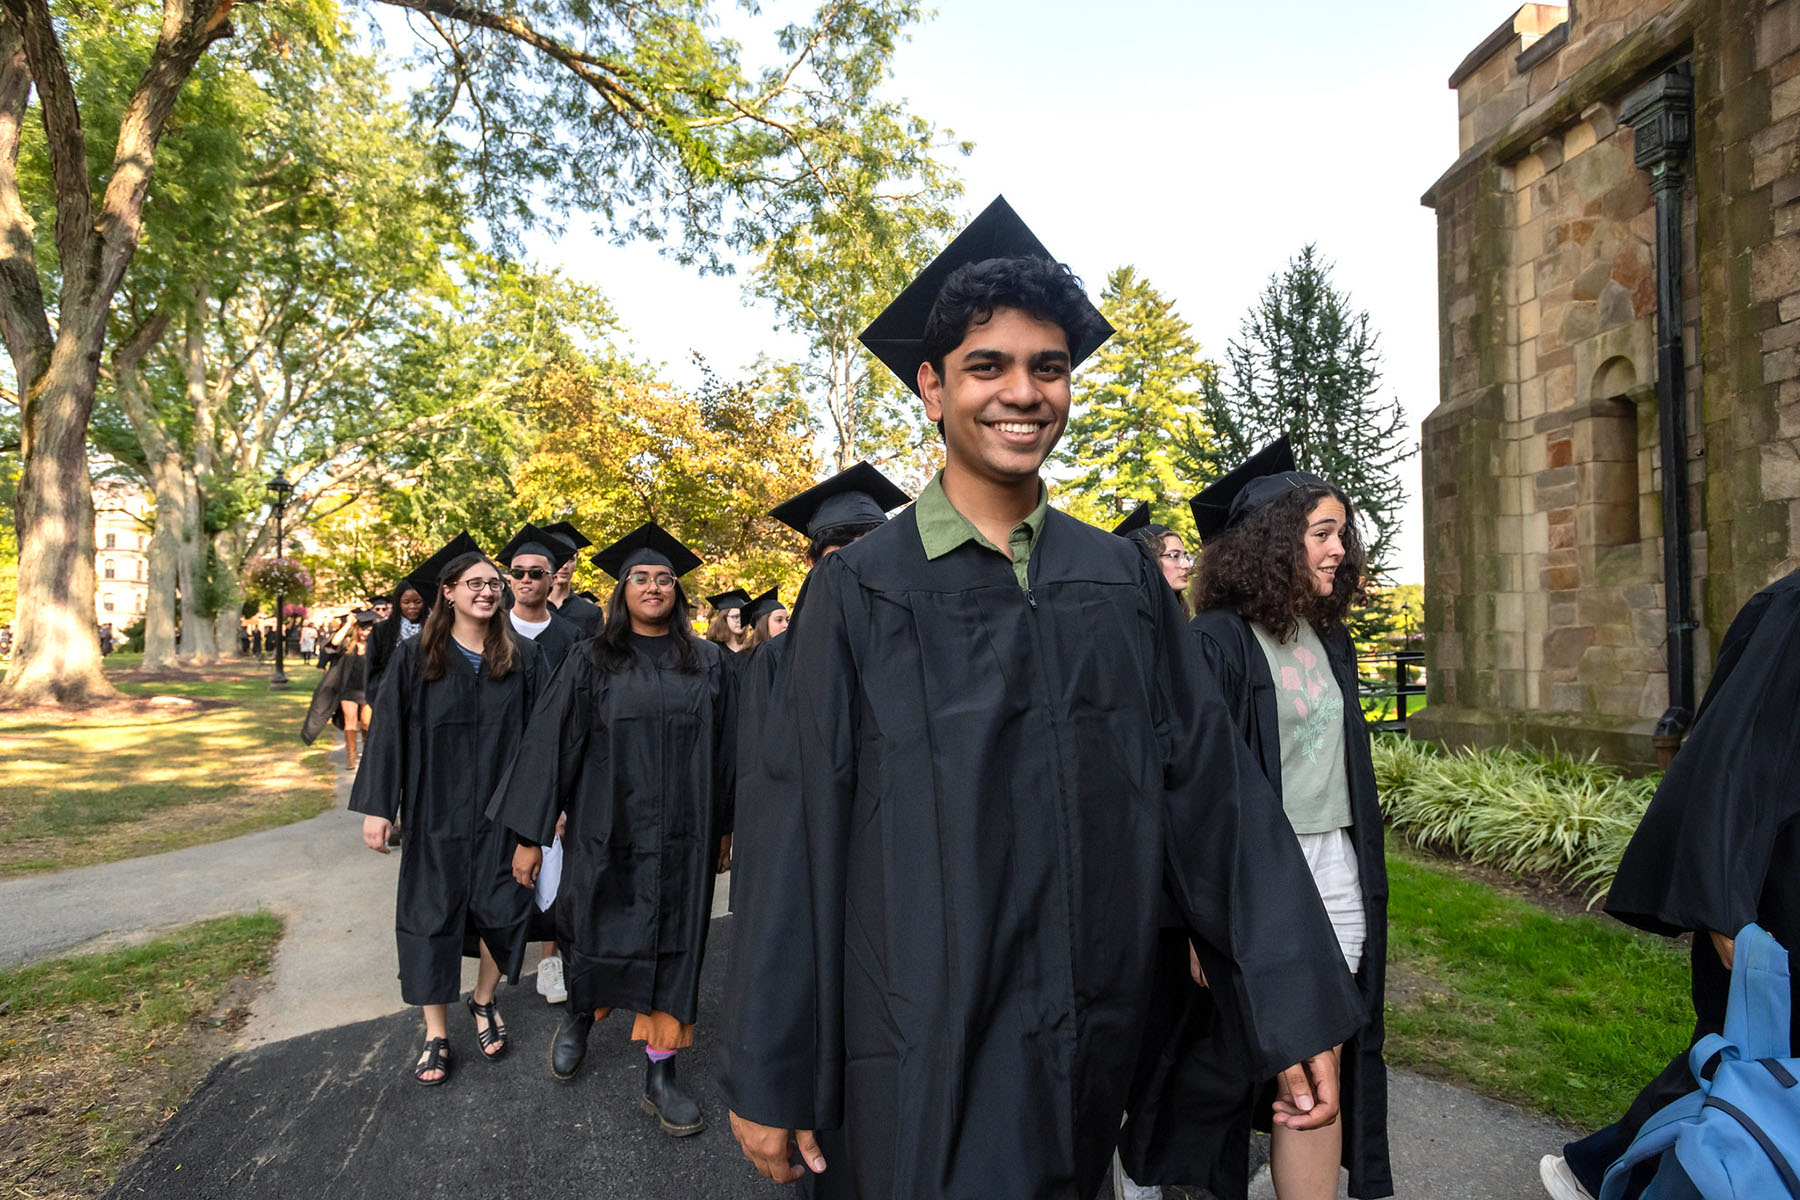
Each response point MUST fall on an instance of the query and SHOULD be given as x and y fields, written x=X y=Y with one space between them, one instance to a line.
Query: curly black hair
x=1042 y=287
x=1245 y=570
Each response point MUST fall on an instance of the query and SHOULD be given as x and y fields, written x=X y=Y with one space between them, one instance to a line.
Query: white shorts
x=1332 y=858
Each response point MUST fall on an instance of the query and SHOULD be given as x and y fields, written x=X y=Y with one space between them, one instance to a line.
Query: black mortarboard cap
x=648 y=543
x=568 y=533
x=762 y=606
x=735 y=598
x=366 y=616
x=424 y=577
x=861 y=495
x=533 y=540
x=1139 y=518
x=897 y=336
x=1264 y=475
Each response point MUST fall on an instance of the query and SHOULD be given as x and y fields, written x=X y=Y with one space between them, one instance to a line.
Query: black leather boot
x=664 y=1100
x=569 y=1046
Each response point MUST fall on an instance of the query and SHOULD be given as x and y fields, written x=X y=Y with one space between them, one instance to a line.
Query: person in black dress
x=632 y=742
x=1280 y=567
x=452 y=711
x=1003 y=744
x=1718 y=848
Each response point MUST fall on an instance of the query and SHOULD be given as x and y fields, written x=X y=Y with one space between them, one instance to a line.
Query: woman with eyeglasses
x=453 y=706
x=632 y=742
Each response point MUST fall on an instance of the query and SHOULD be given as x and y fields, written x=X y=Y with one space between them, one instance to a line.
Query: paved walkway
x=319 y=1091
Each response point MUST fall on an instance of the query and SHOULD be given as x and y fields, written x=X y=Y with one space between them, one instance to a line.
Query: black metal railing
x=1390 y=679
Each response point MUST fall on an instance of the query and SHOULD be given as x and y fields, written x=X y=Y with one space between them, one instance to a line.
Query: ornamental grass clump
x=1518 y=810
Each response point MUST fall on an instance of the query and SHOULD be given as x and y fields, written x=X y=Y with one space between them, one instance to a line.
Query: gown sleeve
x=1235 y=872
x=547 y=764
x=784 y=999
x=380 y=787
x=725 y=772
x=1702 y=855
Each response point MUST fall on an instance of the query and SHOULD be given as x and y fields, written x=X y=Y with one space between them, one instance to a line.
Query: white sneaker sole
x=1558 y=1180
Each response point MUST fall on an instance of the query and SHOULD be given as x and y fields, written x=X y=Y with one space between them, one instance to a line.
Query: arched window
x=140 y=570
x=106 y=602
x=110 y=573
x=1606 y=453
x=140 y=602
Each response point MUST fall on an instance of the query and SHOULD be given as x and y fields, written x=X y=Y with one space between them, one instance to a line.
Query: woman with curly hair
x=1280 y=567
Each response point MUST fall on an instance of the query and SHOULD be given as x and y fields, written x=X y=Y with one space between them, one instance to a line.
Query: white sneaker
x=1125 y=1189
x=550 y=980
x=1559 y=1181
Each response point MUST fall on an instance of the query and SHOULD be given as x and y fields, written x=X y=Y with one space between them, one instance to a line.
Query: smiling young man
x=1002 y=744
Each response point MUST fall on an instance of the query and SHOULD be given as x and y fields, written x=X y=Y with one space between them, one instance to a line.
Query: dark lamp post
x=280 y=489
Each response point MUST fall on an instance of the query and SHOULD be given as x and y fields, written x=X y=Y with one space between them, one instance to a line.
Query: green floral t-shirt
x=1315 y=786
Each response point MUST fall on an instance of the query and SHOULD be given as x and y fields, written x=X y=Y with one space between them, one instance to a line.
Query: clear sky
x=1203 y=142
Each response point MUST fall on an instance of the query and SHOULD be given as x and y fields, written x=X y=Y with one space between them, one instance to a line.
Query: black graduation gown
x=437 y=749
x=943 y=959
x=384 y=639
x=586 y=615
x=641 y=762
x=327 y=705
x=1191 y=1121
x=1719 y=845
x=555 y=641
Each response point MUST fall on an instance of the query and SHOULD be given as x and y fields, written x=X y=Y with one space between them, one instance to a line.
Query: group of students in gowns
x=1030 y=868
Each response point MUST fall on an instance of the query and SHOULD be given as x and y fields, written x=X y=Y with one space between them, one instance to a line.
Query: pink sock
x=658 y=1055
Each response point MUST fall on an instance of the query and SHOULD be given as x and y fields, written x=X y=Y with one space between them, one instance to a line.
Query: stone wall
x=1544 y=603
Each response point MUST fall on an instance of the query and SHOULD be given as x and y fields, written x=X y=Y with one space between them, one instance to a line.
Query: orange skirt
x=660 y=1029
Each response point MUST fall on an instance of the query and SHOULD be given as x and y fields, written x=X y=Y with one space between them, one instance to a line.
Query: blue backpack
x=1738 y=1136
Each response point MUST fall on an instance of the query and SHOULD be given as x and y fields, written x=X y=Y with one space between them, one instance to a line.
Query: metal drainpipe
x=1661 y=115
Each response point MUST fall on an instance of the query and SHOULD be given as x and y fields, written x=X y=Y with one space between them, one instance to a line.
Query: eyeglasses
x=527 y=572
x=661 y=579
x=1180 y=556
x=489 y=583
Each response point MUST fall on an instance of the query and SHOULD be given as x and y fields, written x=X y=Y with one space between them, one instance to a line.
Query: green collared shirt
x=942 y=529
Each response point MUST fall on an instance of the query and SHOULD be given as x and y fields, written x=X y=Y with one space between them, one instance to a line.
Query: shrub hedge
x=1518 y=810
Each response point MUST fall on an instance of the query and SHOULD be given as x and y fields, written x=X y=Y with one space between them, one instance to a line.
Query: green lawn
x=95 y=787
x=1568 y=1015
x=96 y=1050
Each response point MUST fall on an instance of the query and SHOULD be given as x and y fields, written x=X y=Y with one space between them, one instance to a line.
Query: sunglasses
x=528 y=572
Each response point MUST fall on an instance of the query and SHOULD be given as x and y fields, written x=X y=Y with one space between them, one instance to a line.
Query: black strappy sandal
x=437 y=1058
x=494 y=1034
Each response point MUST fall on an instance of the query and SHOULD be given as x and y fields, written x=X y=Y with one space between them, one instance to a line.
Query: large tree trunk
x=56 y=645
x=165 y=548
x=229 y=555
x=56 y=649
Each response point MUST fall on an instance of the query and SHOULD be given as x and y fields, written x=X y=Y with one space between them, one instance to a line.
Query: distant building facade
x=121 y=563
x=1587 y=133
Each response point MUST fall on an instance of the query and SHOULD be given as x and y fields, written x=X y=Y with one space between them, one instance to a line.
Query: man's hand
x=771 y=1151
x=1306 y=1094
x=724 y=855
x=1725 y=946
x=527 y=861
x=375 y=833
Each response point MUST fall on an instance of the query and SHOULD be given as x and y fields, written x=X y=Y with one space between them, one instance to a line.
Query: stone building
x=121 y=567
x=1618 y=259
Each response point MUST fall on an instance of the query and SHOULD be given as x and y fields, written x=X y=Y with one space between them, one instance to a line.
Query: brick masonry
x=1542 y=475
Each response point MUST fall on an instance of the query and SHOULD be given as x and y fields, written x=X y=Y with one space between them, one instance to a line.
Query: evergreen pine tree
x=1308 y=364
x=1137 y=408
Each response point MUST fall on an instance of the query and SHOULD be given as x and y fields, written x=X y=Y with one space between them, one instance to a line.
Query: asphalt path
x=338 y=1111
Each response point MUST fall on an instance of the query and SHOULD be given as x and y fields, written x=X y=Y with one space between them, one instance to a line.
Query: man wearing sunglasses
x=531 y=560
